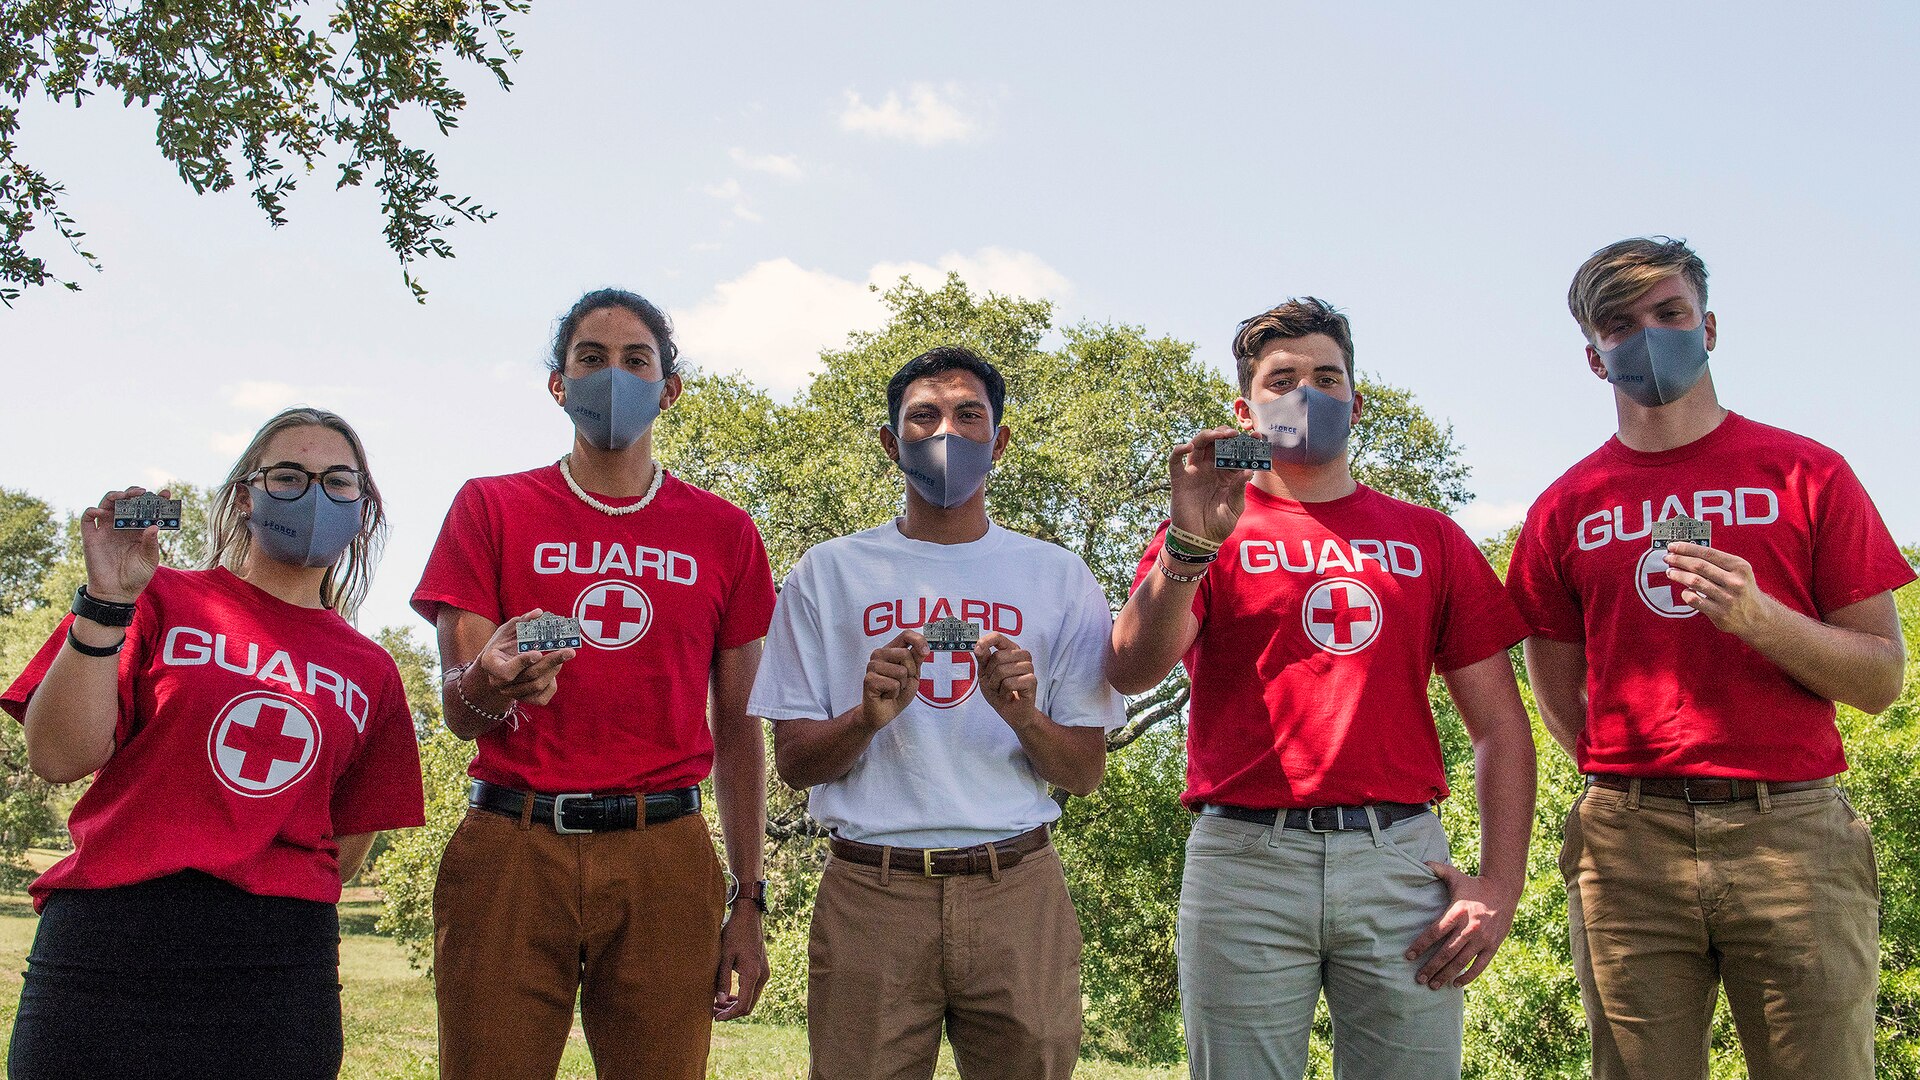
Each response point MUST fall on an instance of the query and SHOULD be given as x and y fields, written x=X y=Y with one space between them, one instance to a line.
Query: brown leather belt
x=1704 y=789
x=945 y=862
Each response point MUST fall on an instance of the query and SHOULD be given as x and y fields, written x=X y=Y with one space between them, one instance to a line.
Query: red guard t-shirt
x=1669 y=693
x=1319 y=626
x=657 y=593
x=252 y=732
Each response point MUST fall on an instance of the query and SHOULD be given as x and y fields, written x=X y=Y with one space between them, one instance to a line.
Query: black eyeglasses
x=287 y=482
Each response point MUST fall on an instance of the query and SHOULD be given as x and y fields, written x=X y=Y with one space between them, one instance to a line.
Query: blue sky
x=1438 y=171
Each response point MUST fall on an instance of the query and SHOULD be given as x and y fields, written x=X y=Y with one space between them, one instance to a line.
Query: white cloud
x=785 y=166
x=729 y=191
x=771 y=322
x=991 y=269
x=1484 y=519
x=930 y=115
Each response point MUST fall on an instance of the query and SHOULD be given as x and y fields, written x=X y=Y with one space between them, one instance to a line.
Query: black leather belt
x=945 y=862
x=584 y=812
x=1323 y=819
x=1705 y=789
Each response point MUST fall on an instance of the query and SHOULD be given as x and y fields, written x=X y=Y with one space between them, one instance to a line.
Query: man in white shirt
x=943 y=903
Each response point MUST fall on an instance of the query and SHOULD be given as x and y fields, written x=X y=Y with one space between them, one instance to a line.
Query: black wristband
x=85 y=649
x=104 y=612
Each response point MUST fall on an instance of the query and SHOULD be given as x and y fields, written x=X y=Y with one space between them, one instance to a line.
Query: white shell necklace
x=612 y=511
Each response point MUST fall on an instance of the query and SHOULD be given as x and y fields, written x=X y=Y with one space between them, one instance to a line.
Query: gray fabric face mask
x=311 y=530
x=612 y=408
x=1304 y=426
x=1658 y=365
x=945 y=469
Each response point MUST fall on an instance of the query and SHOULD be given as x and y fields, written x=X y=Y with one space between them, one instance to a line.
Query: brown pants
x=525 y=919
x=996 y=962
x=1776 y=900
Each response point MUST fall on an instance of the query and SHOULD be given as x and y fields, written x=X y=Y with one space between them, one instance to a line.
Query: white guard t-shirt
x=948 y=771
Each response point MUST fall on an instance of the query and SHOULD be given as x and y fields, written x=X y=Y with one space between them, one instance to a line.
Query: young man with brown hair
x=928 y=679
x=1702 y=589
x=1310 y=611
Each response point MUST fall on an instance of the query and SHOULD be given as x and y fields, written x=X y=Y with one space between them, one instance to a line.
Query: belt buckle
x=559 y=806
x=1314 y=828
x=1686 y=791
x=926 y=860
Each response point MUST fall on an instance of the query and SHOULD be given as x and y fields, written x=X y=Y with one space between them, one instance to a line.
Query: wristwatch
x=104 y=612
x=756 y=892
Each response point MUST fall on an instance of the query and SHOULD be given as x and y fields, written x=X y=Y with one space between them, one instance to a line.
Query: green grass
x=389 y=1015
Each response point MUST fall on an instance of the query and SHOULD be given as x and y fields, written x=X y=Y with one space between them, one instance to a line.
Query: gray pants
x=1270 y=917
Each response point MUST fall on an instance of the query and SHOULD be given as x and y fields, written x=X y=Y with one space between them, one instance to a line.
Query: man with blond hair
x=1702 y=589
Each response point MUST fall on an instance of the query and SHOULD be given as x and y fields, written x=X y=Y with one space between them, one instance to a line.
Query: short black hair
x=946 y=358
x=641 y=308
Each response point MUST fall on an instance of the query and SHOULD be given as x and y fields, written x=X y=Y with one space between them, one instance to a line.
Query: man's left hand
x=1007 y=678
x=1719 y=585
x=743 y=952
x=1467 y=934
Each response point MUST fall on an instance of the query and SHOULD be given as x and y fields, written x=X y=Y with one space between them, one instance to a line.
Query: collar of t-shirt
x=248 y=592
x=1728 y=428
x=1266 y=500
x=988 y=544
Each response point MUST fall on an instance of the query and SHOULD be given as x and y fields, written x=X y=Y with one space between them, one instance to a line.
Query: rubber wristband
x=85 y=649
x=1191 y=539
x=104 y=612
x=1184 y=579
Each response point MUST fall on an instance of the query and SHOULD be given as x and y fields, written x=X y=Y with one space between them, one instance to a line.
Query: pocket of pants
x=1569 y=859
x=1858 y=829
x=1415 y=841
x=1215 y=836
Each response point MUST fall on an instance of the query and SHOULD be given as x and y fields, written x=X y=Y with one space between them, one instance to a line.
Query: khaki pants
x=1269 y=918
x=996 y=962
x=525 y=919
x=1775 y=900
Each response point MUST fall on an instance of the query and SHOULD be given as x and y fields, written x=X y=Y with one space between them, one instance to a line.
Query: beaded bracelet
x=455 y=675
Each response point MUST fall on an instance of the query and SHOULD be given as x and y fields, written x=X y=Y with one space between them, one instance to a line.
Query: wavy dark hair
x=642 y=308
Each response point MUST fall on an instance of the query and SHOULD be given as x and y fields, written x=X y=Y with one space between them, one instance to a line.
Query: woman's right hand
x=1206 y=499
x=527 y=677
x=120 y=562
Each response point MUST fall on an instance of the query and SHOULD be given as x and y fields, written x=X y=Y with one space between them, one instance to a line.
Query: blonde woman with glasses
x=246 y=744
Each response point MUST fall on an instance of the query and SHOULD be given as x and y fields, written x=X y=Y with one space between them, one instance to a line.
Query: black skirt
x=183 y=976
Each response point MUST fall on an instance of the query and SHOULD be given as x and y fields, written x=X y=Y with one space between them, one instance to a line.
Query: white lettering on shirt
x=1741 y=506
x=636 y=561
x=1347 y=556
x=187 y=646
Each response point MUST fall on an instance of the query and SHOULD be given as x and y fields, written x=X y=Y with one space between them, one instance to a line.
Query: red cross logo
x=1341 y=615
x=1660 y=592
x=613 y=614
x=947 y=678
x=262 y=744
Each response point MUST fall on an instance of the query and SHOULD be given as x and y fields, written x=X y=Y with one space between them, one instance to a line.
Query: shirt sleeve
x=1854 y=556
x=464 y=568
x=1478 y=619
x=381 y=788
x=750 y=603
x=1080 y=695
x=791 y=683
x=133 y=659
x=1536 y=585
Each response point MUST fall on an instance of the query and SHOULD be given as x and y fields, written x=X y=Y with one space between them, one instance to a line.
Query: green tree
x=253 y=86
x=29 y=543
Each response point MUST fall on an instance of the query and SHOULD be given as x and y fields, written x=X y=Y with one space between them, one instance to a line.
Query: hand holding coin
x=893 y=677
x=120 y=562
x=1207 y=499
x=1721 y=586
x=528 y=677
